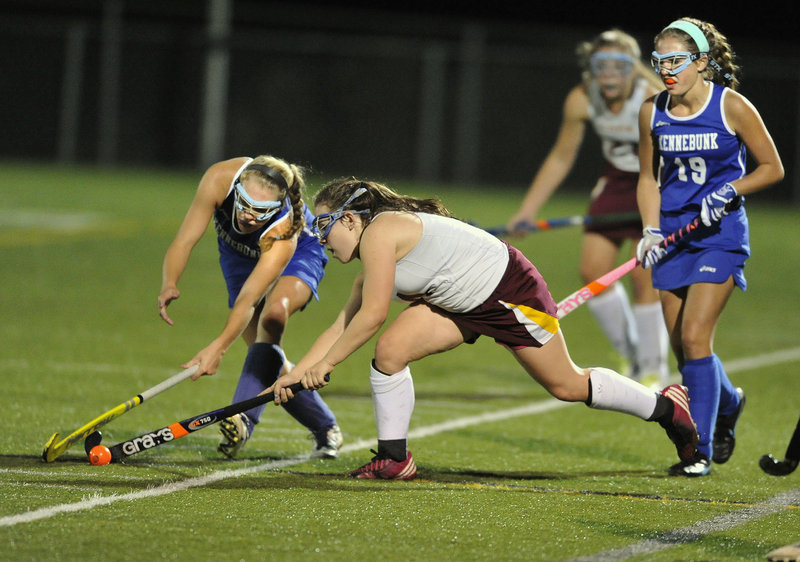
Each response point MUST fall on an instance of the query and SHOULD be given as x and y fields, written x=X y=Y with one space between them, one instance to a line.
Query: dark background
x=341 y=86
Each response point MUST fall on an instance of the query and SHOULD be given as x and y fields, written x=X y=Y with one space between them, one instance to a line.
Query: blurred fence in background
x=184 y=83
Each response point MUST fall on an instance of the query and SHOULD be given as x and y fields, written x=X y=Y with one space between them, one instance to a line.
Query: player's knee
x=695 y=342
x=274 y=318
x=389 y=354
x=567 y=391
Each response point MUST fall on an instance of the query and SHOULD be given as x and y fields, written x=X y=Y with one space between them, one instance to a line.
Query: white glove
x=713 y=208
x=648 y=251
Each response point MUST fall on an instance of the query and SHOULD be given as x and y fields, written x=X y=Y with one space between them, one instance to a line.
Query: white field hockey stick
x=53 y=450
x=597 y=286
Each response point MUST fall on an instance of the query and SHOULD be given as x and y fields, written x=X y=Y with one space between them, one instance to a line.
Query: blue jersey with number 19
x=700 y=153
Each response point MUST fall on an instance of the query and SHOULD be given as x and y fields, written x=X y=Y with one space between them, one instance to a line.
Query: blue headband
x=700 y=40
x=693 y=31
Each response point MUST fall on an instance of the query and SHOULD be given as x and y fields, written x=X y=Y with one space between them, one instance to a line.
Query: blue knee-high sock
x=261 y=368
x=728 y=399
x=310 y=409
x=701 y=377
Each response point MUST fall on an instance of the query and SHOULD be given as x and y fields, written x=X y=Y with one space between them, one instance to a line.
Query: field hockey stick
x=773 y=466
x=190 y=425
x=575 y=220
x=597 y=286
x=53 y=450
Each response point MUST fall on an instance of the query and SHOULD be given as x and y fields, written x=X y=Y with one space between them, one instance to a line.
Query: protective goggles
x=259 y=210
x=323 y=223
x=611 y=64
x=674 y=62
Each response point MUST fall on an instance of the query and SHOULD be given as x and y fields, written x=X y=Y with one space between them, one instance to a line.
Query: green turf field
x=505 y=473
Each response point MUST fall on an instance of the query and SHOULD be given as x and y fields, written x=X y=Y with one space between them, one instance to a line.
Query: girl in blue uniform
x=694 y=137
x=272 y=267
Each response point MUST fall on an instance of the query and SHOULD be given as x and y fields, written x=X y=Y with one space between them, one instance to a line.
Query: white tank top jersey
x=454 y=266
x=618 y=132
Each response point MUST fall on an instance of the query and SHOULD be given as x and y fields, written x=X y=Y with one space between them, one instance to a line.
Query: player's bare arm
x=560 y=159
x=266 y=271
x=744 y=118
x=210 y=193
x=321 y=346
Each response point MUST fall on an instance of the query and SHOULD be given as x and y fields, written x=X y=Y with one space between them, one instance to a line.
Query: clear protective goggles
x=674 y=62
x=322 y=224
x=259 y=210
x=611 y=64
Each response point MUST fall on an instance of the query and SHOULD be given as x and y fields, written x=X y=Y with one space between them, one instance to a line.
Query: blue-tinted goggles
x=674 y=62
x=259 y=210
x=611 y=64
x=323 y=223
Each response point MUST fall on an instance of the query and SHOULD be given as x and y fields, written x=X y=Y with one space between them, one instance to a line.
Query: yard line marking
x=696 y=531
x=460 y=423
x=762 y=360
x=23 y=219
x=162 y=490
x=533 y=408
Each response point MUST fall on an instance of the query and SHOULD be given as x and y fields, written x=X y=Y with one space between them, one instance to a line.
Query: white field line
x=696 y=531
x=530 y=409
x=56 y=220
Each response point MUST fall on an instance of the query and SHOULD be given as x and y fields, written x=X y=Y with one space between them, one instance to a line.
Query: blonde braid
x=294 y=179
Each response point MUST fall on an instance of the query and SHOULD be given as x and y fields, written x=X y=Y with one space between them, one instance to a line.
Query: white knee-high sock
x=653 y=349
x=393 y=401
x=612 y=391
x=612 y=309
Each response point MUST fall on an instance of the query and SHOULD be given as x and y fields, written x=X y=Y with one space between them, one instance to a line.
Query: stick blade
x=48 y=455
x=773 y=466
x=92 y=440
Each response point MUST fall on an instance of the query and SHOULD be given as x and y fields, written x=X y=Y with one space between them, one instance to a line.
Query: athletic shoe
x=327 y=443
x=788 y=553
x=725 y=432
x=697 y=466
x=387 y=469
x=682 y=429
x=235 y=432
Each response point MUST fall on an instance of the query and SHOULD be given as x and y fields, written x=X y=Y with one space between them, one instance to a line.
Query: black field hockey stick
x=190 y=425
x=54 y=449
x=773 y=466
x=575 y=220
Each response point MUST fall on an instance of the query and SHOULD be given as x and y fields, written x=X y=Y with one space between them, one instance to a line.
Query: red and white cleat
x=387 y=469
x=682 y=429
